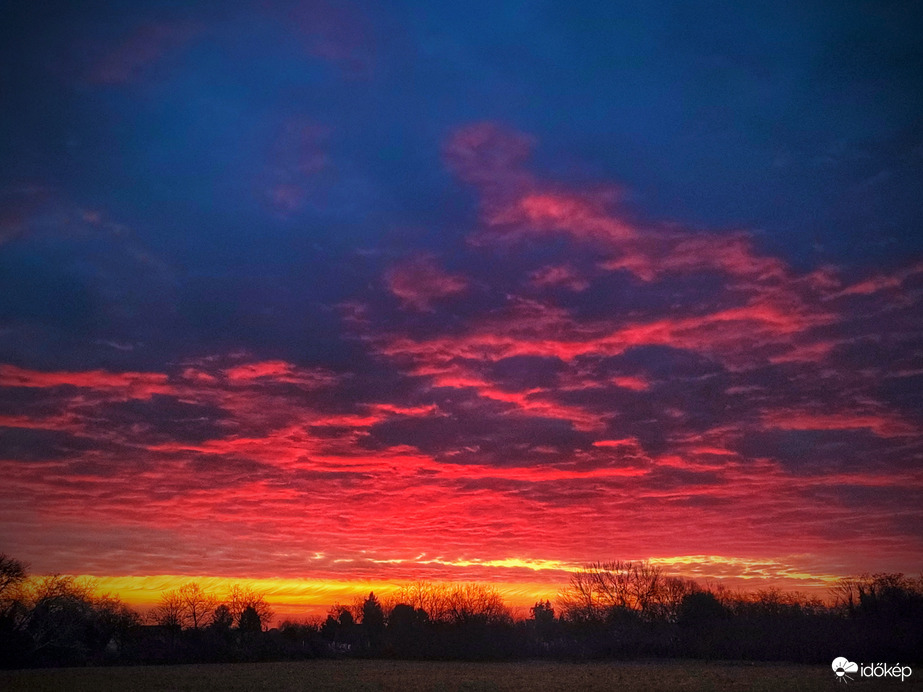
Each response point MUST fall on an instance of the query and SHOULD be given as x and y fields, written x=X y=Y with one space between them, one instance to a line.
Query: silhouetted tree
x=12 y=575
x=889 y=594
x=671 y=593
x=543 y=626
x=702 y=619
x=12 y=595
x=14 y=642
x=700 y=609
x=846 y=594
x=115 y=621
x=196 y=604
x=340 y=628
x=346 y=619
x=222 y=619
x=69 y=624
x=240 y=598
x=596 y=589
x=542 y=611
x=613 y=609
x=406 y=629
x=328 y=630
x=433 y=599
x=301 y=639
x=470 y=603
x=189 y=606
x=250 y=620
x=169 y=611
x=373 y=623
x=885 y=612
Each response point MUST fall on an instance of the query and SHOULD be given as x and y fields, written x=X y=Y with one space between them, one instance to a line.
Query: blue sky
x=509 y=248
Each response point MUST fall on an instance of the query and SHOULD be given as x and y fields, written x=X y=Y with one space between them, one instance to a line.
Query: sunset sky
x=328 y=295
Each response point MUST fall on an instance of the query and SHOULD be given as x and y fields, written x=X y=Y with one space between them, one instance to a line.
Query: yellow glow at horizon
x=313 y=596
x=752 y=568
x=291 y=595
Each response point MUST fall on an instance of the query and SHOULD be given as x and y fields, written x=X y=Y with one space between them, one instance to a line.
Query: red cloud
x=728 y=334
x=277 y=371
x=128 y=384
x=882 y=424
x=638 y=384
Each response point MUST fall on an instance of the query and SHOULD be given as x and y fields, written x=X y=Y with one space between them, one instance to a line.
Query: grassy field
x=426 y=675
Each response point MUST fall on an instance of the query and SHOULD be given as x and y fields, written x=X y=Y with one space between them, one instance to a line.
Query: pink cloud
x=812 y=352
x=580 y=216
x=335 y=32
x=140 y=49
x=490 y=157
x=880 y=283
x=419 y=282
x=559 y=275
x=295 y=163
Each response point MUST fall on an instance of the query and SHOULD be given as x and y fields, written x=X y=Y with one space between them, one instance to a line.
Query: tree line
x=620 y=609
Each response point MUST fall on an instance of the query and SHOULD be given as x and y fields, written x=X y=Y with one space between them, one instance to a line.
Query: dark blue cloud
x=158 y=419
x=36 y=445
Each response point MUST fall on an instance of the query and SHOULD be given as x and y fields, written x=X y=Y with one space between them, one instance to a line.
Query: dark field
x=420 y=675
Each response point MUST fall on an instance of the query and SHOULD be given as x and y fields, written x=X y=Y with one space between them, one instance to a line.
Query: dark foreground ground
x=427 y=675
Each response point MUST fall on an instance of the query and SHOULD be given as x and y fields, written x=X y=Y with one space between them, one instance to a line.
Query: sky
x=326 y=294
